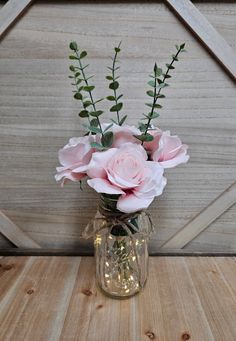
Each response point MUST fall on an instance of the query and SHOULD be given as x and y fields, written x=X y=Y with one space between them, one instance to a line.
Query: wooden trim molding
x=185 y=9
x=203 y=219
x=10 y=12
x=207 y=34
x=12 y=232
x=89 y=253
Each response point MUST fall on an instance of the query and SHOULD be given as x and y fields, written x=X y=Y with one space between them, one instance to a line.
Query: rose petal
x=97 y=165
x=130 y=203
x=104 y=186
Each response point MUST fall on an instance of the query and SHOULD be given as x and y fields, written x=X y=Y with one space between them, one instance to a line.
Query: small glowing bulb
x=97 y=240
x=131 y=277
x=110 y=237
x=133 y=258
x=127 y=290
x=107 y=264
x=106 y=275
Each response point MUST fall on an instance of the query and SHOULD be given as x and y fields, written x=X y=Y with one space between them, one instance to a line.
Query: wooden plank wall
x=38 y=115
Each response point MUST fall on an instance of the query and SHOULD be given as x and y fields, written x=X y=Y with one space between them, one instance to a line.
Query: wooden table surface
x=56 y=298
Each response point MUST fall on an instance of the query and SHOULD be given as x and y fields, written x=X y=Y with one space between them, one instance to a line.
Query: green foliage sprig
x=84 y=88
x=157 y=83
x=114 y=85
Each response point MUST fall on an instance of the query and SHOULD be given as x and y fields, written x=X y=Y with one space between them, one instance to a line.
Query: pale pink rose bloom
x=170 y=152
x=126 y=171
x=153 y=145
x=123 y=134
x=74 y=158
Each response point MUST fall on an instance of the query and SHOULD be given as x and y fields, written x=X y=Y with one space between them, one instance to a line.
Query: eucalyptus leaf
x=114 y=85
x=116 y=107
x=142 y=126
x=123 y=120
x=99 y=100
x=73 y=46
x=110 y=98
x=153 y=115
x=84 y=113
x=169 y=66
x=94 y=122
x=87 y=104
x=107 y=139
x=88 y=88
x=96 y=145
x=78 y=95
x=150 y=93
x=152 y=83
x=73 y=57
x=94 y=129
x=157 y=106
x=108 y=127
x=96 y=113
x=83 y=54
x=144 y=137
x=119 y=97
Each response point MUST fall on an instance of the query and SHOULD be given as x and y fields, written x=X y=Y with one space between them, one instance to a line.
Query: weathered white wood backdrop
x=38 y=115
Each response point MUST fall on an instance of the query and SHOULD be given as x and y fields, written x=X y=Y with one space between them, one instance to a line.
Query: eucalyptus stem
x=156 y=94
x=77 y=87
x=89 y=91
x=113 y=76
x=114 y=85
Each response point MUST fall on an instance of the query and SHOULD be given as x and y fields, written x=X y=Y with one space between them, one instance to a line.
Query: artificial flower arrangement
x=125 y=164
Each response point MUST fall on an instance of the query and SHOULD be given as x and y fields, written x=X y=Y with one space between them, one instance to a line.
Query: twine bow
x=106 y=220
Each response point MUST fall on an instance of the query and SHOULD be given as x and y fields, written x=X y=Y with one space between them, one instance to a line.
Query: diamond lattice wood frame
x=220 y=50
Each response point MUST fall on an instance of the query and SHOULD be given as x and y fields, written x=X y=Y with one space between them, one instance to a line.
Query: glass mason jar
x=121 y=249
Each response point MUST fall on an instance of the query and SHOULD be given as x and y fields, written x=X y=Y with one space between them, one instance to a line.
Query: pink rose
x=170 y=152
x=127 y=172
x=152 y=146
x=74 y=158
x=123 y=134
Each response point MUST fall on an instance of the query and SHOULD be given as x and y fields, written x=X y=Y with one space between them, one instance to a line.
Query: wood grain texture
x=203 y=29
x=38 y=115
x=13 y=233
x=56 y=298
x=11 y=12
x=203 y=219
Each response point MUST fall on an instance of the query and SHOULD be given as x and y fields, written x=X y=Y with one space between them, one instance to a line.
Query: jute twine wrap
x=105 y=219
